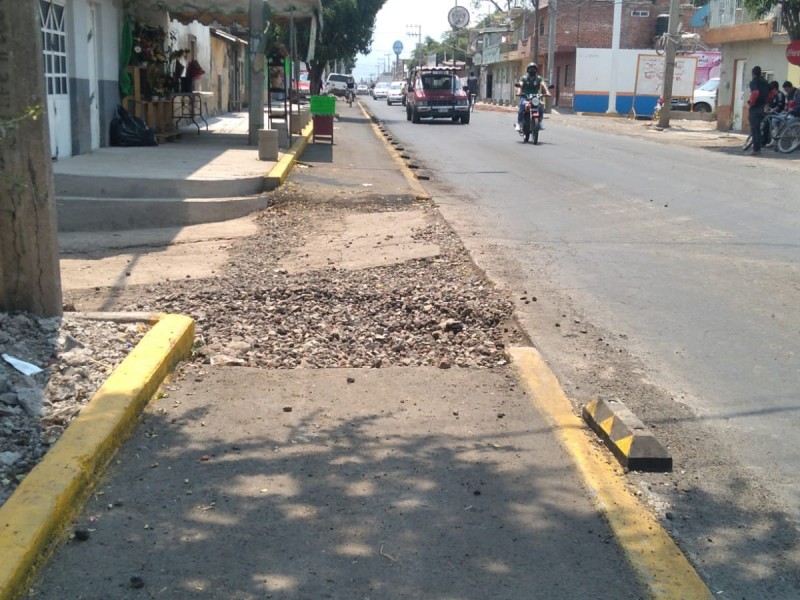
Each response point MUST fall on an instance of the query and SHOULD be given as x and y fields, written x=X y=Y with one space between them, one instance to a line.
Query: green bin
x=322 y=105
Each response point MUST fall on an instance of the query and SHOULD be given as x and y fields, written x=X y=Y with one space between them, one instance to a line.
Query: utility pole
x=257 y=59
x=417 y=35
x=551 y=45
x=535 y=39
x=30 y=279
x=669 y=63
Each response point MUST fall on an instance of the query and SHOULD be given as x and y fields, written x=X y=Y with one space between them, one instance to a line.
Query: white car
x=705 y=97
x=362 y=89
x=396 y=93
x=381 y=90
x=337 y=84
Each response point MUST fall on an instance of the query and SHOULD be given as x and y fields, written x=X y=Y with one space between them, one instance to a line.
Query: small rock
x=82 y=535
x=9 y=458
x=137 y=582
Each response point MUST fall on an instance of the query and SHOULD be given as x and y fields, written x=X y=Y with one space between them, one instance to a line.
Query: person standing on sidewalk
x=759 y=90
x=792 y=96
x=472 y=88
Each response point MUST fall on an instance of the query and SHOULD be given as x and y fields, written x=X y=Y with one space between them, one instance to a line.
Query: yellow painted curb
x=416 y=187
x=38 y=510
x=654 y=556
x=281 y=171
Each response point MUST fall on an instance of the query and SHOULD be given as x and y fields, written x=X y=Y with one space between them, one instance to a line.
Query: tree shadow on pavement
x=310 y=487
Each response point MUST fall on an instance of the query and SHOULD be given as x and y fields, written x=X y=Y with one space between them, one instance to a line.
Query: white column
x=612 y=87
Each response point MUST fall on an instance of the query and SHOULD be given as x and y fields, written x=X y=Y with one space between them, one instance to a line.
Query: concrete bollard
x=268 y=144
x=297 y=124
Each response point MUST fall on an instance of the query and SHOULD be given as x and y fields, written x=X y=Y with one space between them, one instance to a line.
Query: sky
x=392 y=24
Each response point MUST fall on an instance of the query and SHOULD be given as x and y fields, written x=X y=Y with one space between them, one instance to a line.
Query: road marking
x=654 y=556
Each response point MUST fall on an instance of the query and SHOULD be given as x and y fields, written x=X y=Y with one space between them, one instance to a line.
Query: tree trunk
x=315 y=71
x=29 y=271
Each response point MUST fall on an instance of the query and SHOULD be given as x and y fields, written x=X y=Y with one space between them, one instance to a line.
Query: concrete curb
x=626 y=436
x=33 y=517
x=418 y=190
x=124 y=214
x=281 y=171
x=657 y=560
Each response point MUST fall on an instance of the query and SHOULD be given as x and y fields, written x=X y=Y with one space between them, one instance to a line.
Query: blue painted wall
x=598 y=103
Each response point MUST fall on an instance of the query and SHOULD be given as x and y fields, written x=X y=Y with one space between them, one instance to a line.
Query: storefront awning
x=227 y=12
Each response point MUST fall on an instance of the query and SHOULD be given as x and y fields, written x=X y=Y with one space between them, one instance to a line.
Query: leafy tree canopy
x=790 y=13
x=506 y=5
x=449 y=45
x=348 y=29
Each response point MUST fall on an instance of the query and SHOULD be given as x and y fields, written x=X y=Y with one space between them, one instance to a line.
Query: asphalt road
x=666 y=274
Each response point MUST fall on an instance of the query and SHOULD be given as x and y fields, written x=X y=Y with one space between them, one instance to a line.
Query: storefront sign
x=793 y=52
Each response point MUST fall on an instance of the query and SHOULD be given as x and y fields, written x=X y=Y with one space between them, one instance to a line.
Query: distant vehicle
x=381 y=90
x=303 y=84
x=396 y=93
x=336 y=84
x=704 y=99
x=362 y=89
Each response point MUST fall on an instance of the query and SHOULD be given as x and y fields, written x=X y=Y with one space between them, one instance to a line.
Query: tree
x=506 y=5
x=29 y=272
x=348 y=26
x=790 y=13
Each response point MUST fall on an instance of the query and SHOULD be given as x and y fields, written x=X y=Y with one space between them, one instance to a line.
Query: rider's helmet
x=532 y=69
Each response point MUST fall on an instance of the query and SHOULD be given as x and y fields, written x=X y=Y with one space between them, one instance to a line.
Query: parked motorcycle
x=532 y=118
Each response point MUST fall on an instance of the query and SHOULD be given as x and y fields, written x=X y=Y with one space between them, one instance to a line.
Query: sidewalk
x=205 y=176
x=407 y=480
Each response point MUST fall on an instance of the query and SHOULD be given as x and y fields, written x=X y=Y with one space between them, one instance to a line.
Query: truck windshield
x=438 y=82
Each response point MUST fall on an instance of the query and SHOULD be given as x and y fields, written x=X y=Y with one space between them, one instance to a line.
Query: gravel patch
x=76 y=356
x=438 y=311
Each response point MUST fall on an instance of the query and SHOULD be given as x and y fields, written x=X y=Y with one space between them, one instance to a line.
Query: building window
x=541 y=26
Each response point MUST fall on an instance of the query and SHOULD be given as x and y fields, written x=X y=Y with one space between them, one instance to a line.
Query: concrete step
x=81 y=213
x=103 y=186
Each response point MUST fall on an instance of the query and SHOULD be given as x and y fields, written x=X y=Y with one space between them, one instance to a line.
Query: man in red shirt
x=759 y=90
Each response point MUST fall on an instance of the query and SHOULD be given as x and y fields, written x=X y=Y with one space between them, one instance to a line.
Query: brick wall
x=590 y=25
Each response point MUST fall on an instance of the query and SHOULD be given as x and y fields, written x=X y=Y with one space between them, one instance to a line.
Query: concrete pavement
x=339 y=483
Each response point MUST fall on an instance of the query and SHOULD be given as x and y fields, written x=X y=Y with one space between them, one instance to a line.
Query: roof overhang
x=228 y=12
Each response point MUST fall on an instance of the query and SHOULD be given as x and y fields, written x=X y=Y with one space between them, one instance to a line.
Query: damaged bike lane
x=364 y=438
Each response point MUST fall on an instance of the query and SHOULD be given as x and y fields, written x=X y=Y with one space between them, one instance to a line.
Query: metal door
x=54 y=46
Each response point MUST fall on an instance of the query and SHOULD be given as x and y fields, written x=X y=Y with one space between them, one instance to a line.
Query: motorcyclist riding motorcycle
x=531 y=83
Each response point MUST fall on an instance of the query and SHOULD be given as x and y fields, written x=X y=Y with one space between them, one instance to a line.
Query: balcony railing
x=726 y=13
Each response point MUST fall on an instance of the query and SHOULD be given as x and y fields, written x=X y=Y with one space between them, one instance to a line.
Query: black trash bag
x=127 y=130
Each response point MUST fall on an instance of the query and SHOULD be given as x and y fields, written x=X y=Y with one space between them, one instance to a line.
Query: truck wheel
x=465 y=119
x=414 y=115
x=408 y=113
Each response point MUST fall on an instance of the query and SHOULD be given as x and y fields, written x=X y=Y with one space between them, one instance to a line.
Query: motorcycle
x=532 y=118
